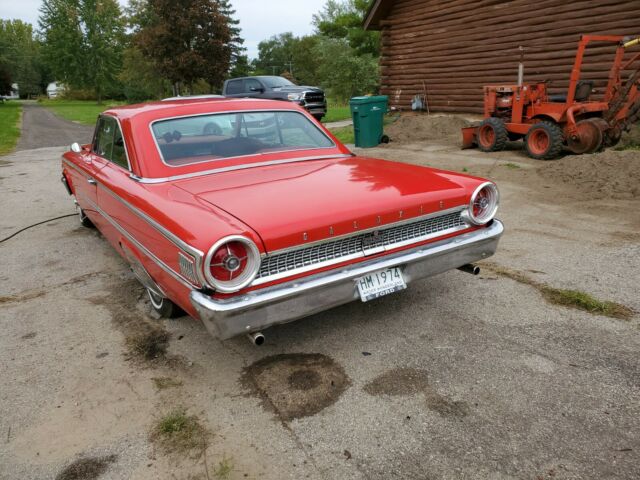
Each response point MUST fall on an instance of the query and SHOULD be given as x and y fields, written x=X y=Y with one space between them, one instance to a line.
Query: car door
x=234 y=88
x=253 y=88
x=84 y=176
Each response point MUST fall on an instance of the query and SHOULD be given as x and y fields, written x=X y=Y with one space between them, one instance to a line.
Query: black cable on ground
x=35 y=225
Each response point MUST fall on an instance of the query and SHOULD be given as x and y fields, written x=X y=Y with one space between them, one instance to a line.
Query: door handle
x=92 y=181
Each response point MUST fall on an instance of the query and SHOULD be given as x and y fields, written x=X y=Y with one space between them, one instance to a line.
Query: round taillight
x=484 y=204
x=232 y=264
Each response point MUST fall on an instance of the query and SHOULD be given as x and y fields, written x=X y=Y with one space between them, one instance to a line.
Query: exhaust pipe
x=257 y=338
x=470 y=268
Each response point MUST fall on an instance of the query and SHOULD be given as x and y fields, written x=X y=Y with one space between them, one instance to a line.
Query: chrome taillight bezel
x=494 y=196
x=247 y=276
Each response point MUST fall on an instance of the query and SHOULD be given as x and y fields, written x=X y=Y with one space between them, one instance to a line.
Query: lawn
x=80 y=111
x=344 y=134
x=9 y=126
x=336 y=112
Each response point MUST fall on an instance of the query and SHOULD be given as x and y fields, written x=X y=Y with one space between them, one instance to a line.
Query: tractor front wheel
x=492 y=135
x=544 y=141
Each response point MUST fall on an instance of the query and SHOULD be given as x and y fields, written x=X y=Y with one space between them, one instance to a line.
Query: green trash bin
x=368 y=119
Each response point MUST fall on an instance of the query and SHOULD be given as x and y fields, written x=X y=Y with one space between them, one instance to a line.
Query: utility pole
x=290 y=67
x=273 y=69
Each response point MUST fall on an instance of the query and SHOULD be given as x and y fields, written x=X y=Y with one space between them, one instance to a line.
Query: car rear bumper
x=290 y=301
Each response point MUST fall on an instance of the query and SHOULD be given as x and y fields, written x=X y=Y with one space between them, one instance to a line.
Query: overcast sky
x=259 y=19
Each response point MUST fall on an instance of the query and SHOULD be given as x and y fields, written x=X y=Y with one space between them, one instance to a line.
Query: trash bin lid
x=368 y=99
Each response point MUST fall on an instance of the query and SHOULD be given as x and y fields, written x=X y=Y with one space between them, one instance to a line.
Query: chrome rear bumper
x=290 y=301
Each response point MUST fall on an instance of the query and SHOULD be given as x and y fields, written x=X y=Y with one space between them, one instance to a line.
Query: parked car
x=311 y=99
x=266 y=217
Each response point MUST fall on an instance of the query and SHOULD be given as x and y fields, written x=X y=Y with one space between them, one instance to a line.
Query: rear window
x=187 y=140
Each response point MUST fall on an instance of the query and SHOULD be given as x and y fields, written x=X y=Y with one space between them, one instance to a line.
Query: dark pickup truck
x=278 y=88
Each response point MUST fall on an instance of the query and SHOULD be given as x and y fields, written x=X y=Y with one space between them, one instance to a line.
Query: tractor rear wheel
x=544 y=141
x=492 y=135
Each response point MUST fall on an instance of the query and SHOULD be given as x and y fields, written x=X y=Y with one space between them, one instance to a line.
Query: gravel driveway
x=456 y=377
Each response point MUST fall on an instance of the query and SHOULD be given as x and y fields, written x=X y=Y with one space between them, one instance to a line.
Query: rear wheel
x=163 y=306
x=544 y=141
x=492 y=135
x=84 y=220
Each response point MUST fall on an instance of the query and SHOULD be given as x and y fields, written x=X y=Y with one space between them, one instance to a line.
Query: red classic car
x=249 y=213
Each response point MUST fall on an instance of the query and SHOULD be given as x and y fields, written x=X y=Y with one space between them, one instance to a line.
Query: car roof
x=174 y=107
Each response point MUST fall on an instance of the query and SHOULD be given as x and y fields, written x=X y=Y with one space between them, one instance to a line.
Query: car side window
x=109 y=142
x=234 y=86
x=119 y=155
x=252 y=85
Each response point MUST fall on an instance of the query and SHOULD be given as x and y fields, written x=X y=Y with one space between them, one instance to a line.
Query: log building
x=450 y=49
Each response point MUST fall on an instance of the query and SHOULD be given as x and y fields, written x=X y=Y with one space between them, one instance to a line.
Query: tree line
x=155 y=48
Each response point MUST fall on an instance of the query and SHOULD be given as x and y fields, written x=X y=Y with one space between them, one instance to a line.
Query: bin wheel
x=385 y=139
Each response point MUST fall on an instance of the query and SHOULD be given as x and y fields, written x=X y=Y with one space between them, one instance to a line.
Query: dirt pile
x=609 y=174
x=443 y=129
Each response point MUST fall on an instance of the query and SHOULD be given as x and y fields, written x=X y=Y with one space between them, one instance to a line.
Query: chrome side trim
x=194 y=252
x=144 y=249
x=185 y=176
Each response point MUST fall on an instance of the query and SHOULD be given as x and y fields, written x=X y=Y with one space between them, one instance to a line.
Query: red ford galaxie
x=248 y=213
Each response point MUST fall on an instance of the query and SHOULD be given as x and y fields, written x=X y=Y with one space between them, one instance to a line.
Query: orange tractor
x=548 y=123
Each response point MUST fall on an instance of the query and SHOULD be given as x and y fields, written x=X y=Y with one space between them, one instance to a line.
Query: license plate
x=380 y=283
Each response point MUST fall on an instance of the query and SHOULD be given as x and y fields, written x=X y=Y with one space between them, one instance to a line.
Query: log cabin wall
x=450 y=49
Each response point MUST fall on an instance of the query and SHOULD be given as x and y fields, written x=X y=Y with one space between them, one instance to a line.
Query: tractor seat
x=583 y=91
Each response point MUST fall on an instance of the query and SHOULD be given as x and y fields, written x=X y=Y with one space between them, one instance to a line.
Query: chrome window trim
x=124 y=141
x=232 y=112
x=232 y=168
x=182 y=245
x=144 y=249
x=362 y=254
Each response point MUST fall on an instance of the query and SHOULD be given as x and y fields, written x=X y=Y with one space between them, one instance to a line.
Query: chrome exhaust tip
x=257 y=338
x=470 y=268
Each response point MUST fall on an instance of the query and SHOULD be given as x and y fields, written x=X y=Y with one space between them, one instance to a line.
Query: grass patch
x=629 y=146
x=9 y=127
x=337 y=112
x=162 y=383
x=223 y=469
x=584 y=301
x=179 y=433
x=80 y=111
x=567 y=298
x=512 y=166
x=344 y=134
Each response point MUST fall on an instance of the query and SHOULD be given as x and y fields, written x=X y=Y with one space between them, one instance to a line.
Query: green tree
x=343 y=72
x=83 y=42
x=187 y=41
x=236 y=43
x=343 y=20
x=140 y=78
x=21 y=55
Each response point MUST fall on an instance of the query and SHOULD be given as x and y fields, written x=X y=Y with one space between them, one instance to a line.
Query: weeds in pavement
x=568 y=298
x=179 y=433
x=86 y=468
x=162 y=383
x=510 y=165
x=223 y=469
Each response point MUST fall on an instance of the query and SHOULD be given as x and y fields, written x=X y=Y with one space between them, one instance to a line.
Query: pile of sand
x=443 y=129
x=609 y=174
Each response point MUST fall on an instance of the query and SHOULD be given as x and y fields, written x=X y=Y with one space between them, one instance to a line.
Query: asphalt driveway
x=456 y=377
x=41 y=128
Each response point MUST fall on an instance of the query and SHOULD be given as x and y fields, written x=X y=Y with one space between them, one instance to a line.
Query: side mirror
x=75 y=147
